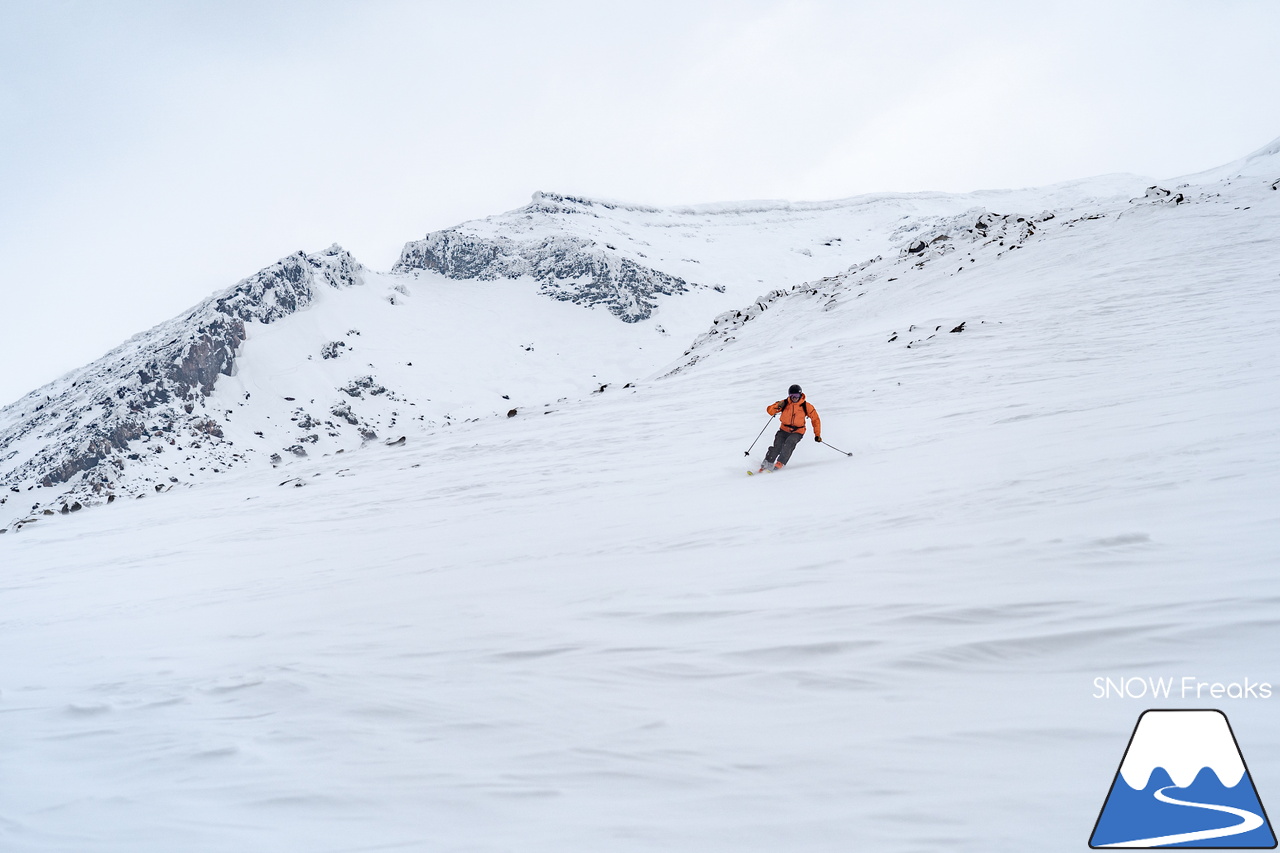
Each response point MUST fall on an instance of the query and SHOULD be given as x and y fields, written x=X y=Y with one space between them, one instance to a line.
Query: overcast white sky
x=152 y=153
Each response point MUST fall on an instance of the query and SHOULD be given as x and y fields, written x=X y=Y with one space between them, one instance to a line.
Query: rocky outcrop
x=929 y=238
x=567 y=267
x=288 y=285
x=1160 y=195
x=147 y=395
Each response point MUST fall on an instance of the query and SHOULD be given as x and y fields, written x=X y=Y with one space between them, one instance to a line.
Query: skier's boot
x=777 y=466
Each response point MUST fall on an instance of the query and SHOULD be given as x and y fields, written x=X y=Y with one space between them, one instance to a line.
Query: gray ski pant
x=783 y=443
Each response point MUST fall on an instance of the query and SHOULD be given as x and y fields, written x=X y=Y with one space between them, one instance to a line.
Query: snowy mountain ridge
x=117 y=427
x=984 y=236
x=151 y=392
x=623 y=257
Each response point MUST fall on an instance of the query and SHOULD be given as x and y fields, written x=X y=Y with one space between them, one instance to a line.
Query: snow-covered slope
x=589 y=630
x=674 y=264
x=317 y=354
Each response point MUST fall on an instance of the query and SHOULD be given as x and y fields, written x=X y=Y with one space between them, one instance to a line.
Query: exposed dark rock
x=333 y=349
x=1160 y=194
x=208 y=427
x=356 y=387
x=568 y=268
x=511 y=413
x=342 y=410
x=97 y=446
x=153 y=384
x=958 y=329
x=287 y=285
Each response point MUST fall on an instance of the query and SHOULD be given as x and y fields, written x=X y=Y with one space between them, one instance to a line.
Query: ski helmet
x=794 y=389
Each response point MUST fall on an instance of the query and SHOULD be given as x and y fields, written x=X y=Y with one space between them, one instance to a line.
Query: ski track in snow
x=588 y=630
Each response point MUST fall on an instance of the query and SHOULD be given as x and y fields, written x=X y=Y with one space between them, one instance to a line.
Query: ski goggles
x=794 y=397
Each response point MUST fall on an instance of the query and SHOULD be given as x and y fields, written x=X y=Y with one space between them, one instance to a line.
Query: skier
x=794 y=410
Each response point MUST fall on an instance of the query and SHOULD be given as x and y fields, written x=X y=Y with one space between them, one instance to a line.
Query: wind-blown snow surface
x=589 y=630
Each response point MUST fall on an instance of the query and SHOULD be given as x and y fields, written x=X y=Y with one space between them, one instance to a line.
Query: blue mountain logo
x=1183 y=783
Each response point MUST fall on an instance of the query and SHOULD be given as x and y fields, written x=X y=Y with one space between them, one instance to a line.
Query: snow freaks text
x=1186 y=687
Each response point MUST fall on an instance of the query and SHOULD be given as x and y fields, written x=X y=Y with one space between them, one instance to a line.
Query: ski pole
x=747 y=452
x=836 y=449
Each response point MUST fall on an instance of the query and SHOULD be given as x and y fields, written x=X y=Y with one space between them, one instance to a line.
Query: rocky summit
x=146 y=400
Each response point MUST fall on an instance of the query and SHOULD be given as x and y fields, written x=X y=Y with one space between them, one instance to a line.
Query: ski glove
x=818 y=438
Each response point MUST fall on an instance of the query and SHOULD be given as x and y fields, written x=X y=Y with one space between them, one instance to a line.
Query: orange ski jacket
x=793 y=415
